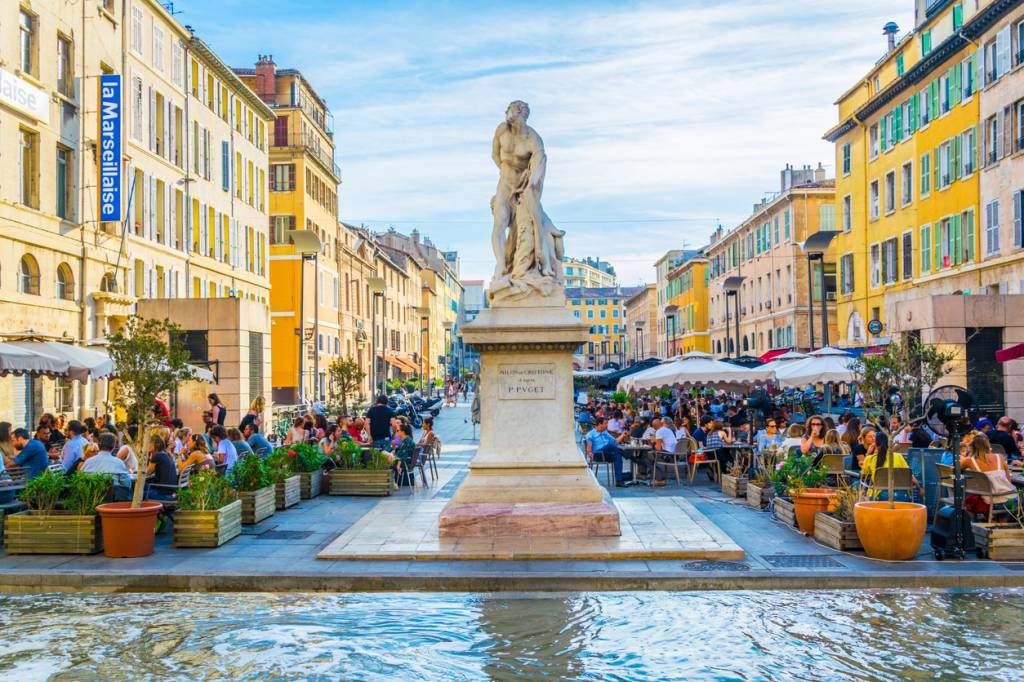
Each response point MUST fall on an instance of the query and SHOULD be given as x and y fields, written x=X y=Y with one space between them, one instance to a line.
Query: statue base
x=528 y=478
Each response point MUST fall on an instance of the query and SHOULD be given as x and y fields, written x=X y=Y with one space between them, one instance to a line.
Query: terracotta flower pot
x=128 y=532
x=890 y=533
x=809 y=501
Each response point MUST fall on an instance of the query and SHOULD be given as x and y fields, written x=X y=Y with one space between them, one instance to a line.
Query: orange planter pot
x=128 y=532
x=893 y=534
x=810 y=501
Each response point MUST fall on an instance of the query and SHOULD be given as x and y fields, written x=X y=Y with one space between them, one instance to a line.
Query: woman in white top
x=794 y=437
x=127 y=455
x=296 y=434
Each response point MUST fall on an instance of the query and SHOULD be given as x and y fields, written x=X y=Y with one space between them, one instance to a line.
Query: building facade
x=589 y=272
x=474 y=299
x=662 y=267
x=759 y=274
x=640 y=319
x=925 y=148
x=687 y=317
x=604 y=310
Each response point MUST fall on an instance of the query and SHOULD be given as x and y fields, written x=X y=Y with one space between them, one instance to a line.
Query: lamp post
x=377 y=287
x=670 y=316
x=448 y=354
x=731 y=286
x=815 y=247
x=307 y=247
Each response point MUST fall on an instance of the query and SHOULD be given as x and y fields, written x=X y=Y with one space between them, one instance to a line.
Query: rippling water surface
x=612 y=636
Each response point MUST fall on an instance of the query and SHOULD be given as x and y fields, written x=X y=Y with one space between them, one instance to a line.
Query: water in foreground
x=894 y=635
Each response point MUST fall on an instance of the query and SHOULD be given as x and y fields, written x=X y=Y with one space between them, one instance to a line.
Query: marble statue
x=528 y=248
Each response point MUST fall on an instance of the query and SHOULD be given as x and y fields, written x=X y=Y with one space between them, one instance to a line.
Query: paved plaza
x=281 y=553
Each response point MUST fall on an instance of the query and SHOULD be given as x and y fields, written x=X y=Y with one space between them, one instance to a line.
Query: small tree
x=149 y=361
x=893 y=384
x=347 y=379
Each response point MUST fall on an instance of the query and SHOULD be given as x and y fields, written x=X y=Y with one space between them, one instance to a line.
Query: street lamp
x=815 y=248
x=731 y=285
x=670 y=315
x=307 y=246
x=377 y=286
x=638 y=327
x=424 y=313
x=448 y=342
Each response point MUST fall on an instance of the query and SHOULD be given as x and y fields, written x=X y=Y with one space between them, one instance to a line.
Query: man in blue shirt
x=31 y=454
x=259 y=444
x=601 y=447
x=72 y=452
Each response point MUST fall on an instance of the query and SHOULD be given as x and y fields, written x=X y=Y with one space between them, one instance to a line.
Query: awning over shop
x=403 y=365
x=83 y=363
x=772 y=354
x=17 y=360
x=1011 y=353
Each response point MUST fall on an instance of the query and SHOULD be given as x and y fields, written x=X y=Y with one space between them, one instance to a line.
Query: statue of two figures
x=528 y=248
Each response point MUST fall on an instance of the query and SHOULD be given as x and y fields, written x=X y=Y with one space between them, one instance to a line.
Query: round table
x=636 y=449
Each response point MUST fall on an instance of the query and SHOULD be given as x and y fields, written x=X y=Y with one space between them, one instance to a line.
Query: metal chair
x=945 y=488
x=835 y=465
x=710 y=461
x=609 y=471
x=979 y=484
x=57 y=468
x=902 y=479
x=673 y=460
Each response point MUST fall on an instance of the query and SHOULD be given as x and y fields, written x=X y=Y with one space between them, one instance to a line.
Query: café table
x=637 y=449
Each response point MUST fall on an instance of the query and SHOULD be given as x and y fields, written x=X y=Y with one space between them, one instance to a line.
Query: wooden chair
x=902 y=478
x=710 y=461
x=835 y=465
x=978 y=483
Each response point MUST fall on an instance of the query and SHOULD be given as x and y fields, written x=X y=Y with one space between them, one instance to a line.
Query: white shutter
x=152 y=119
x=171 y=137
x=1003 y=51
x=165 y=131
x=168 y=225
x=1018 y=197
x=172 y=226
x=151 y=209
x=982 y=73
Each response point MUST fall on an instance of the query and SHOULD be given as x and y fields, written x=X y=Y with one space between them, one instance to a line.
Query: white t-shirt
x=668 y=439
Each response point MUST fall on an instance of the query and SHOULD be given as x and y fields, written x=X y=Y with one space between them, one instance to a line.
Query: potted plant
x=836 y=528
x=255 y=485
x=778 y=477
x=734 y=483
x=307 y=461
x=346 y=380
x=209 y=512
x=999 y=541
x=360 y=473
x=808 y=497
x=44 y=529
x=286 y=482
x=759 y=490
x=149 y=360
x=894 y=384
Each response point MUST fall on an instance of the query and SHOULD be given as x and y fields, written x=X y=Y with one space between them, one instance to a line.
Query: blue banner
x=109 y=153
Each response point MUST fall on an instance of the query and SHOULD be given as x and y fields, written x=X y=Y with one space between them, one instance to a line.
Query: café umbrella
x=17 y=360
x=695 y=369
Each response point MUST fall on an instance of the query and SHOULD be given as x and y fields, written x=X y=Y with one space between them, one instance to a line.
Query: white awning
x=824 y=366
x=694 y=369
x=83 y=363
x=17 y=360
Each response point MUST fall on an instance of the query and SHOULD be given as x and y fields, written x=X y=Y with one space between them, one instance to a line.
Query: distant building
x=603 y=308
x=641 y=315
x=663 y=266
x=589 y=272
x=687 y=309
x=474 y=299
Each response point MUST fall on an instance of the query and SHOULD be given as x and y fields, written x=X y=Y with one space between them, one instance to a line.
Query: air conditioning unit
x=830 y=295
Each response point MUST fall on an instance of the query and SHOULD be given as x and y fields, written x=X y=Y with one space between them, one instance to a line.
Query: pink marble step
x=589 y=519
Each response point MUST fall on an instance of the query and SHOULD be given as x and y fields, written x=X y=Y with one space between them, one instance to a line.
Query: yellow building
x=687 y=294
x=306 y=239
x=588 y=272
x=640 y=318
x=604 y=310
x=917 y=147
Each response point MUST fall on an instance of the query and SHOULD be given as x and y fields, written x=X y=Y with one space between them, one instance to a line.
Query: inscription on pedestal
x=526 y=382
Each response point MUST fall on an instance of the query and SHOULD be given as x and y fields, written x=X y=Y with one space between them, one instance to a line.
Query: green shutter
x=935 y=170
x=958 y=16
x=937 y=245
x=912 y=105
x=957 y=241
x=955 y=85
x=883 y=132
x=955 y=150
x=975 y=162
x=933 y=92
x=899 y=65
x=925 y=243
x=969 y=229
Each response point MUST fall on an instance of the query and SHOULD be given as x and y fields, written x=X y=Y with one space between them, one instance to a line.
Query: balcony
x=324 y=121
x=312 y=145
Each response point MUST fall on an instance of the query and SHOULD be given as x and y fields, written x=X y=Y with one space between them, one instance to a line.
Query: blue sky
x=659 y=118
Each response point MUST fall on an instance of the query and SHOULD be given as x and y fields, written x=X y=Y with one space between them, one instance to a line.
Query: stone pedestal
x=528 y=477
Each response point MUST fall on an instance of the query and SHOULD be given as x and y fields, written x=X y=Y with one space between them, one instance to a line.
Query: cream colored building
x=395 y=317
x=663 y=266
x=641 y=316
x=589 y=273
x=190 y=231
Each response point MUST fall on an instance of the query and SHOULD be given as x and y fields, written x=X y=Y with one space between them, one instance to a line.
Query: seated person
x=982 y=459
x=105 y=462
x=768 y=436
x=256 y=440
x=404 y=455
x=161 y=468
x=242 y=446
x=601 y=447
x=199 y=454
x=664 y=444
x=794 y=436
x=358 y=431
x=225 y=450
x=877 y=458
x=32 y=453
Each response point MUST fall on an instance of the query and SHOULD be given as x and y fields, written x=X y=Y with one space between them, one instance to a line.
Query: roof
x=796 y=189
x=230 y=75
x=641 y=291
x=244 y=71
x=602 y=292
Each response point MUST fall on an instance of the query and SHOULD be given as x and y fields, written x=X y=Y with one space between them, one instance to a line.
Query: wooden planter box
x=311 y=483
x=258 y=504
x=58 y=532
x=360 y=482
x=287 y=492
x=999 y=541
x=783 y=510
x=758 y=497
x=207 y=528
x=831 y=532
x=734 y=486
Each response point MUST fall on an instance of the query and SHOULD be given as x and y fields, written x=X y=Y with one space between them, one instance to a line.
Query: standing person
x=31 y=454
x=225 y=451
x=71 y=453
x=254 y=415
x=218 y=412
x=380 y=423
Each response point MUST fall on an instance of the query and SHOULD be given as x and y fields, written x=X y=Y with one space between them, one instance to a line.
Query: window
x=846 y=274
x=28 y=168
x=876 y=271
x=65 y=71
x=847 y=213
x=944 y=98
x=1018 y=212
x=786 y=221
x=926 y=249
x=968 y=151
x=108 y=284
x=926 y=175
x=279 y=227
x=136 y=29
x=967 y=68
x=873 y=200
x=907 y=184
x=908 y=254
x=926 y=43
x=27 y=25
x=63 y=186
x=282 y=177
x=873 y=138
x=899 y=65
x=890 y=264
x=846 y=159
x=890 y=192
x=945 y=176
x=28 y=275
x=65 y=282
x=158 y=48
x=827 y=218
x=992 y=140
x=992 y=228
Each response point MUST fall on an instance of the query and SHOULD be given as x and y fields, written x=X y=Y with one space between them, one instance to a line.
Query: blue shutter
x=225 y=167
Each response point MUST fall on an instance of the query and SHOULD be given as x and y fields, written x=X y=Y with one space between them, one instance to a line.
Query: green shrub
x=279 y=465
x=251 y=473
x=85 y=491
x=304 y=457
x=795 y=472
x=206 y=491
x=352 y=458
x=620 y=397
x=42 y=492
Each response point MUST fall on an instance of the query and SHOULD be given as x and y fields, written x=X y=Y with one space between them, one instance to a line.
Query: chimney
x=889 y=31
x=819 y=173
x=266 y=78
